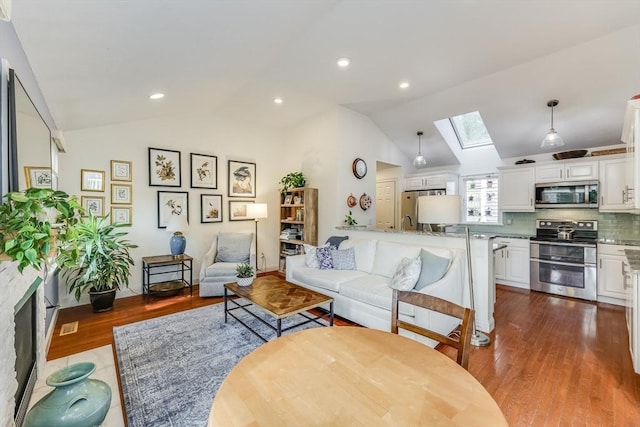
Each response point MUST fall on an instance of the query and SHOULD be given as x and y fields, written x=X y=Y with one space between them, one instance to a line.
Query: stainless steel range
x=563 y=258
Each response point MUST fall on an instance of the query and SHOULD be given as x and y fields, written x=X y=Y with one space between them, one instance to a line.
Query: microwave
x=579 y=194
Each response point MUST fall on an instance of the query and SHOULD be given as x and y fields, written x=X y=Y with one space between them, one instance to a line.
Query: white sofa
x=213 y=275
x=364 y=296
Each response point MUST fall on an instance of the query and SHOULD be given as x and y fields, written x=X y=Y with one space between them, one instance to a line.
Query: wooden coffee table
x=278 y=298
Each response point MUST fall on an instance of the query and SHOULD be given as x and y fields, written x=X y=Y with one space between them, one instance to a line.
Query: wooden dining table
x=351 y=376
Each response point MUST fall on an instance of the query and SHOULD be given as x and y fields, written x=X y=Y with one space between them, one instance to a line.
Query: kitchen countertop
x=619 y=242
x=633 y=256
x=485 y=236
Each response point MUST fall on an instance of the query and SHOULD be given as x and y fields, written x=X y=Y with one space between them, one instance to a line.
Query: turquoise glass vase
x=76 y=401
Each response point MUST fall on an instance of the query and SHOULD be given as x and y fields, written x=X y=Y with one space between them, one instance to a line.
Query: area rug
x=171 y=366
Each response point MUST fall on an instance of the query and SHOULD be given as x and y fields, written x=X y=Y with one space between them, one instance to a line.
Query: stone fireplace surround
x=14 y=285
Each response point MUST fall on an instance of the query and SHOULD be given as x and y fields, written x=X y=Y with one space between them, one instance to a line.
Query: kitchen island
x=633 y=307
x=484 y=290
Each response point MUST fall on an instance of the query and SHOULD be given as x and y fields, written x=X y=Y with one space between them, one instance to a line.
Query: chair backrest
x=440 y=305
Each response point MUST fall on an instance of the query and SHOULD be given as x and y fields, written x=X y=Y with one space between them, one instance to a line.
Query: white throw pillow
x=310 y=258
x=365 y=251
x=406 y=274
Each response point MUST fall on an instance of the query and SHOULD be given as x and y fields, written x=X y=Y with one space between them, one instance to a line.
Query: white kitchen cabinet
x=512 y=264
x=448 y=181
x=616 y=181
x=516 y=189
x=633 y=321
x=567 y=171
x=631 y=136
x=613 y=274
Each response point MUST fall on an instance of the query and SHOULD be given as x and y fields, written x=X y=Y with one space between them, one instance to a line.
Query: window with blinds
x=480 y=199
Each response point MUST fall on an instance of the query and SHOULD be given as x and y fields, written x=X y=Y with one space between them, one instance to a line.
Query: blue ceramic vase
x=178 y=244
x=76 y=401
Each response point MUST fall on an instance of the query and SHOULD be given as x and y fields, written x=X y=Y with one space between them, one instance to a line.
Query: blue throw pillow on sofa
x=343 y=259
x=433 y=269
x=325 y=260
x=336 y=240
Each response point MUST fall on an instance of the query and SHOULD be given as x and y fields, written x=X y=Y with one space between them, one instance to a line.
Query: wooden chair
x=441 y=306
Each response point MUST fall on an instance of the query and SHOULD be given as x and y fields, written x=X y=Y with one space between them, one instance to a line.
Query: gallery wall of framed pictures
x=165 y=170
x=121 y=194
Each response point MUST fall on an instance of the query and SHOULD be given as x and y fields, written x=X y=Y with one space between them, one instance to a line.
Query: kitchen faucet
x=402 y=222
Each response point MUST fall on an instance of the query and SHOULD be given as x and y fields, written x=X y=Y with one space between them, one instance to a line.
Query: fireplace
x=26 y=342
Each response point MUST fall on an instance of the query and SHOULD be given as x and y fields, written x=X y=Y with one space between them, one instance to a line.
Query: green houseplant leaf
x=292 y=180
x=244 y=270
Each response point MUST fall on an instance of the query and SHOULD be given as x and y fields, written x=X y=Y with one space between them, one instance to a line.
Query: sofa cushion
x=234 y=247
x=365 y=251
x=325 y=261
x=310 y=256
x=374 y=290
x=343 y=259
x=325 y=279
x=433 y=268
x=389 y=255
x=406 y=274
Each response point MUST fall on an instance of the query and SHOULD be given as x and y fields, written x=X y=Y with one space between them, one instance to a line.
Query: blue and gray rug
x=172 y=366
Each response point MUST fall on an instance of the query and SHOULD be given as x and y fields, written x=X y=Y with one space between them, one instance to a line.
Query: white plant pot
x=244 y=281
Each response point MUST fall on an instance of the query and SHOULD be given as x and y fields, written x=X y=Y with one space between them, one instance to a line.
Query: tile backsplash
x=617 y=226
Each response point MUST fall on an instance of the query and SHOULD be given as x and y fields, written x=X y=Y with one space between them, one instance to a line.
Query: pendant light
x=419 y=161
x=552 y=139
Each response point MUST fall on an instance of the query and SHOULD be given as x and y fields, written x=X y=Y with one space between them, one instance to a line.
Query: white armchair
x=219 y=263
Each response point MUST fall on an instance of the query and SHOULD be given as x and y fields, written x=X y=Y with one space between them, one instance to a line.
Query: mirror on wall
x=29 y=141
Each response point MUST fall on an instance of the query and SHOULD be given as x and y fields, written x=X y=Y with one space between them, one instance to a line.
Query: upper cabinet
x=616 y=181
x=567 y=171
x=440 y=181
x=516 y=189
x=631 y=136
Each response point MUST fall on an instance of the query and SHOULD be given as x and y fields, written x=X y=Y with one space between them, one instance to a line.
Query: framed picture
x=164 y=168
x=91 y=180
x=287 y=199
x=93 y=204
x=38 y=176
x=121 y=194
x=120 y=170
x=238 y=210
x=204 y=171
x=210 y=208
x=172 y=203
x=121 y=215
x=242 y=179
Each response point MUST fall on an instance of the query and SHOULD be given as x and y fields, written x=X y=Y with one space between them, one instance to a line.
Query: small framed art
x=164 y=168
x=242 y=179
x=210 y=208
x=120 y=170
x=91 y=180
x=287 y=199
x=204 y=171
x=121 y=194
x=121 y=215
x=93 y=204
x=238 y=210
x=38 y=176
x=172 y=203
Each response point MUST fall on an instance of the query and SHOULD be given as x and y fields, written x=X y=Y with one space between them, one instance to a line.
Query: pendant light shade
x=552 y=139
x=419 y=161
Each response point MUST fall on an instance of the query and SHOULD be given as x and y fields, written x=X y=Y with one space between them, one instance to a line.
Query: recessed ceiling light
x=343 y=61
x=278 y=101
x=156 y=96
x=403 y=85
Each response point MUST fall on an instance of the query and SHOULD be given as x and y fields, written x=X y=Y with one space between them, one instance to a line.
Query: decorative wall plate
x=359 y=168
x=352 y=201
x=365 y=201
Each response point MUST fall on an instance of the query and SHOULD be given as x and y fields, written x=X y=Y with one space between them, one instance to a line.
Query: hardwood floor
x=553 y=361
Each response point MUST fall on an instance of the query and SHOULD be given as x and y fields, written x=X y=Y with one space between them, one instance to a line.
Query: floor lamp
x=257 y=211
x=446 y=210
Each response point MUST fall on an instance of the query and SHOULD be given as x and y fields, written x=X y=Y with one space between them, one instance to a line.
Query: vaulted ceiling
x=96 y=62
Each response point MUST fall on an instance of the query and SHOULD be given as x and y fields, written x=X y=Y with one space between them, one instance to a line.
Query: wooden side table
x=152 y=266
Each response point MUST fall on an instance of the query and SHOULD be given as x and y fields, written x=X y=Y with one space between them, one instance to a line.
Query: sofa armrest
x=207 y=258
x=293 y=262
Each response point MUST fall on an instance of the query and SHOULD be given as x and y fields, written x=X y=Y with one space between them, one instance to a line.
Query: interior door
x=385 y=204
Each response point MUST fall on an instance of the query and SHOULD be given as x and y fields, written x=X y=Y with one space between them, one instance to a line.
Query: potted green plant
x=97 y=261
x=349 y=219
x=34 y=225
x=244 y=274
x=292 y=180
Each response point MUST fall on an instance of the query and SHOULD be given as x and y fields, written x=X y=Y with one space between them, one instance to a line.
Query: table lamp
x=257 y=211
x=177 y=225
x=445 y=210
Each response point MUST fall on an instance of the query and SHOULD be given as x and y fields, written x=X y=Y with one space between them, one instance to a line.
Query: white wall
x=194 y=133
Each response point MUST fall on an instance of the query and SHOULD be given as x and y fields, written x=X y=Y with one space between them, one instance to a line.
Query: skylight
x=470 y=130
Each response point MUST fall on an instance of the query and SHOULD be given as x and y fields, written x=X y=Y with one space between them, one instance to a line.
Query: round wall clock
x=359 y=168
